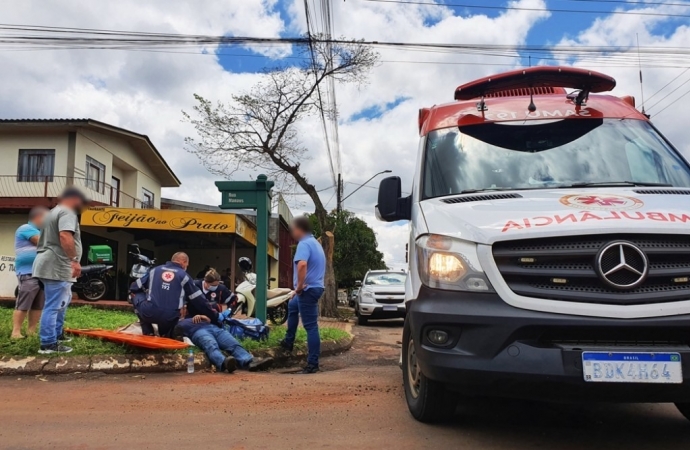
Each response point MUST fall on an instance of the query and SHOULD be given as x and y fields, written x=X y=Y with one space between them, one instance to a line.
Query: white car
x=382 y=296
x=549 y=247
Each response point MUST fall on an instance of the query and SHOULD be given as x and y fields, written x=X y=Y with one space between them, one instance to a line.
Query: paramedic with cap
x=160 y=294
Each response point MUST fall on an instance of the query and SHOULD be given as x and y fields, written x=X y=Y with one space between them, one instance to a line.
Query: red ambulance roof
x=507 y=97
x=537 y=77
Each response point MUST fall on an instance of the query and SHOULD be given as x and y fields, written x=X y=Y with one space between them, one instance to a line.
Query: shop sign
x=153 y=219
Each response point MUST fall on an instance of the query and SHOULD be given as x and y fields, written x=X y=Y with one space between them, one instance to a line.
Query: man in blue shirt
x=309 y=271
x=30 y=299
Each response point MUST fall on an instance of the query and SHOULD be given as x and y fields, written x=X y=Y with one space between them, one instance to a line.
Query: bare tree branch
x=257 y=130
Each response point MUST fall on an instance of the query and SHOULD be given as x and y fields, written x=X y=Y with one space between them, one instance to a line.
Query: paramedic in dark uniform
x=217 y=295
x=160 y=295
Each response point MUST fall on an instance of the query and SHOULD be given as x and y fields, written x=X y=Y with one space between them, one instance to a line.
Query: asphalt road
x=357 y=402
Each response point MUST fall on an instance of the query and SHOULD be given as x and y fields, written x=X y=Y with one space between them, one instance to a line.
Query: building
x=123 y=173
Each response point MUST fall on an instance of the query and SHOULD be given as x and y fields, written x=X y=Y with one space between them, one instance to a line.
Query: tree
x=355 y=249
x=258 y=130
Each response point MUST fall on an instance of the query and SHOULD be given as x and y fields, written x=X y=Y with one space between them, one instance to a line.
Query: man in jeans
x=30 y=298
x=57 y=266
x=213 y=340
x=309 y=272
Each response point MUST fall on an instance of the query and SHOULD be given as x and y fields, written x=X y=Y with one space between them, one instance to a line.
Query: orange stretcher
x=136 y=340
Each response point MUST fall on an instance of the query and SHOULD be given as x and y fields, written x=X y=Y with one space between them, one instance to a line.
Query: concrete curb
x=145 y=363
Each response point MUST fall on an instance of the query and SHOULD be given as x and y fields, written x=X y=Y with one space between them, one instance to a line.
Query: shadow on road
x=388 y=323
x=522 y=424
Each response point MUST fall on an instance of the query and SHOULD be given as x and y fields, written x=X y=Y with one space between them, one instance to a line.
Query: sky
x=147 y=91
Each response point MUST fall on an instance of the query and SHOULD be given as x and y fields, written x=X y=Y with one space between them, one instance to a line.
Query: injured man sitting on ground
x=213 y=340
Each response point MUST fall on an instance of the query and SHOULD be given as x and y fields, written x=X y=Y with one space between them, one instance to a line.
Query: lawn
x=88 y=317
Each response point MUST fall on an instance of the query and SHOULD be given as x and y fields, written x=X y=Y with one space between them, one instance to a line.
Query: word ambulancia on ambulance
x=549 y=247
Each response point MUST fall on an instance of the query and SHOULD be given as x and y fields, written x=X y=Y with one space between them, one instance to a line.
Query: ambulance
x=549 y=250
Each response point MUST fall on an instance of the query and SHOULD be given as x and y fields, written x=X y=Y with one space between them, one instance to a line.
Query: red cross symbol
x=168 y=276
x=601 y=201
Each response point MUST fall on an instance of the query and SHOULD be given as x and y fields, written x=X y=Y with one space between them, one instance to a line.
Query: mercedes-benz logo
x=622 y=265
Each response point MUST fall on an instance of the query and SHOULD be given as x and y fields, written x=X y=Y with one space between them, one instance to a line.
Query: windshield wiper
x=474 y=191
x=614 y=184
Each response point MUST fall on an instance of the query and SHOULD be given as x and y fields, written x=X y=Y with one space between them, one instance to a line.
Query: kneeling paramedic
x=217 y=294
x=213 y=340
x=160 y=294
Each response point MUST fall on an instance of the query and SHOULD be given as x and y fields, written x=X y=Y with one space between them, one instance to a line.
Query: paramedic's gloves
x=224 y=315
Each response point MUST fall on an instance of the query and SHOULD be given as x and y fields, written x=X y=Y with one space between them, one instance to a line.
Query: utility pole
x=339 y=194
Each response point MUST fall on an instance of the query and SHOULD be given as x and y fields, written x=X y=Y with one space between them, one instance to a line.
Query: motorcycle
x=143 y=265
x=277 y=299
x=92 y=284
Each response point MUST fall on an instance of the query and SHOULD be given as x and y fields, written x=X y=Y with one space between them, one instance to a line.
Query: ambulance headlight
x=447 y=263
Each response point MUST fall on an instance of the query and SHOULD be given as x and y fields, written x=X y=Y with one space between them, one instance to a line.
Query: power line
x=131 y=41
x=318 y=93
x=666 y=96
x=665 y=86
x=521 y=8
x=674 y=101
x=626 y=2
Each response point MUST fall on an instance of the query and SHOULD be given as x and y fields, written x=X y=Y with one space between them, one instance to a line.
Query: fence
x=51 y=187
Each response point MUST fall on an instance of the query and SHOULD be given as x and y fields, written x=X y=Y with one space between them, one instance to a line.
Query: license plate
x=390 y=308
x=623 y=367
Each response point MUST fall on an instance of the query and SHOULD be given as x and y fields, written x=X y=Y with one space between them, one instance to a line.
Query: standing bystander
x=57 y=266
x=310 y=269
x=30 y=296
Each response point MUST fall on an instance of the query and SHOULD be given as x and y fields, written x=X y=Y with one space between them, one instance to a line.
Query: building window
x=147 y=198
x=95 y=175
x=115 y=192
x=36 y=165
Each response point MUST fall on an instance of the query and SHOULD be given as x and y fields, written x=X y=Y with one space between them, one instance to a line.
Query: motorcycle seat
x=94 y=268
x=275 y=292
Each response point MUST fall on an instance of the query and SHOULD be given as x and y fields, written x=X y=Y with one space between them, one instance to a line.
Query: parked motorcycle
x=143 y=264
x=93 y=283
x=277 y=299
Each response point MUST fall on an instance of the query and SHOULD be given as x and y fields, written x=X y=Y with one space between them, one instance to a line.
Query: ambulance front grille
x=564 y=268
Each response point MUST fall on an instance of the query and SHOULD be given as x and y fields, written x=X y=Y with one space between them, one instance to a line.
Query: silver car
x=382 y=296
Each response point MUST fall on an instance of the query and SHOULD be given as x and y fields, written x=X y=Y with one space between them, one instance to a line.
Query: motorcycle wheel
x=94 y=290
x=279 y=314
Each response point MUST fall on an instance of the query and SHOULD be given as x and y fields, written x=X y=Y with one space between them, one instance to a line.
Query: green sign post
x=253 y=195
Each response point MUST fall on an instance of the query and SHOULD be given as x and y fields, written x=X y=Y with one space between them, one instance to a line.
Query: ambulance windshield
x=547 y=154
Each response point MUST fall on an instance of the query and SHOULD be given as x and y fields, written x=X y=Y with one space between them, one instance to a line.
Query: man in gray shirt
x=57 y=266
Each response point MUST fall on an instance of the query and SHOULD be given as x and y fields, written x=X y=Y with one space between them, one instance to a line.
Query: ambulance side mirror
x=392 y=206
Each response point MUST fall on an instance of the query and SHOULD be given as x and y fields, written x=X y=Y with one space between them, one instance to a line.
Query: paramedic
x=160 y=294
x=217 y=295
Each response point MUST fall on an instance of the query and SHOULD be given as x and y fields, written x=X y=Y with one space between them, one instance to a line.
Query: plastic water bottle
x=190 y=362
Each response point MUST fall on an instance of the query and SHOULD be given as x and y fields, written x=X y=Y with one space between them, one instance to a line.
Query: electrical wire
x=665 y=86
x=667 y=95
x=674 y=101
x=629 y=3
x=521 y=8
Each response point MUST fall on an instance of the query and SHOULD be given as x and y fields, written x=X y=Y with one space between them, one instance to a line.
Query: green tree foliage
x=355 y=249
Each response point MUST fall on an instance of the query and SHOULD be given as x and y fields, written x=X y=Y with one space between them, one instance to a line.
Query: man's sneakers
x=229 y=365
x=285 y=346
x=54 y=348
x=309 y=369
x=259 y=364
x=63 y=338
